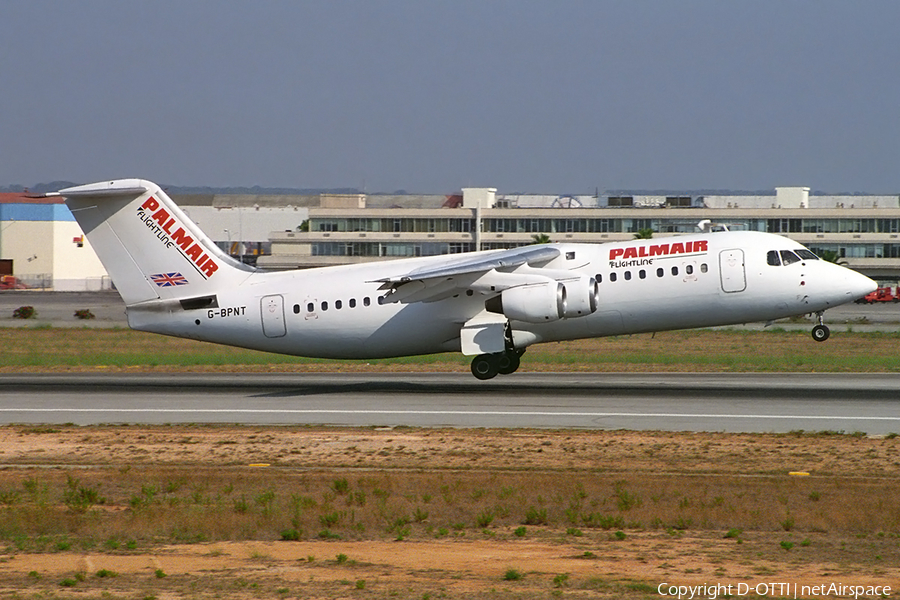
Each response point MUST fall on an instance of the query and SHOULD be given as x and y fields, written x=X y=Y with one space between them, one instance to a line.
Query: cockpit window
x=788 y=257
x=773 y=259
x=806 y=254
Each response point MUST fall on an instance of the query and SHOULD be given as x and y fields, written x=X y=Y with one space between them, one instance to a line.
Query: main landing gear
x=488 y=366
x=820 y=332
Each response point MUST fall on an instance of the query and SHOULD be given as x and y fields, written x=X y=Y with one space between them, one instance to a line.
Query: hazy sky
x=431 y=96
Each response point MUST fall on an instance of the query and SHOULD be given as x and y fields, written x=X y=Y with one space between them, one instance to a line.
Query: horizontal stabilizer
x=120 y=187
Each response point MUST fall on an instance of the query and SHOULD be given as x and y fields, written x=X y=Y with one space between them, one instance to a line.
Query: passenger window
x=703 y=268
x=788 y=257
x=689 y=269
x=352 y=302
x=772 y=258
x=599 y=278
x=642 y=274
x=324 y=306
x=310 y=307
x=806 y=254
x=296 y=309
x=675 y=271
x=338 y=304
x=627 y=275
x=366 y=301
x=613 y=276
x=660 y=272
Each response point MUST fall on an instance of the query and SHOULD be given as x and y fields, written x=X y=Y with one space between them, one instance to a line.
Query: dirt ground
x=766 y=512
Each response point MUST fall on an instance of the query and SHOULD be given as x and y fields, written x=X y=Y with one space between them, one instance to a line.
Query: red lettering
x=210 y=267
x=659 y=250
x=203 y=262
x=161 y=216
x=194 y=252
x=192 y=249
x=182 y=239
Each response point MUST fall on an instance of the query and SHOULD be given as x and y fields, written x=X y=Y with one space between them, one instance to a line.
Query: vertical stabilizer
x=149 y=247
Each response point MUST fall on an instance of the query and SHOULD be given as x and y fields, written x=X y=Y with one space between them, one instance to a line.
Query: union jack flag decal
x=169 y=279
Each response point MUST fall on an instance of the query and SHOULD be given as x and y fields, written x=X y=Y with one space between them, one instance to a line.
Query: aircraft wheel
x=485 y=366
x=820 y=333
x=508 y=362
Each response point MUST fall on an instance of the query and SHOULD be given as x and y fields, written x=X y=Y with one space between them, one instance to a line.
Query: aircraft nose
x=858 y=285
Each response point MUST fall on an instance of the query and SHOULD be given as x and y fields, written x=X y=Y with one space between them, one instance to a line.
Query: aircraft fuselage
x=335 y=312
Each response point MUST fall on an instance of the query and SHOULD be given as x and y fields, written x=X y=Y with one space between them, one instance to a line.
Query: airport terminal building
x=41 y=244
x=863 y=230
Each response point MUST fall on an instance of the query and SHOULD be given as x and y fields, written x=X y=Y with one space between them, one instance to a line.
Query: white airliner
x=491 y=305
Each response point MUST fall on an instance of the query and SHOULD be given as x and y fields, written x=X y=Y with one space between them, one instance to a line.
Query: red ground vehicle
x=9 y=282
x=882 y=294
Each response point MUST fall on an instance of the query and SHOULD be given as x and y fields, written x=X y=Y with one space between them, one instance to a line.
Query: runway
x=671 y=402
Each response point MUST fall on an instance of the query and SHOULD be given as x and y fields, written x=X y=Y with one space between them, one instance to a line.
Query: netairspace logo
x=778 y=589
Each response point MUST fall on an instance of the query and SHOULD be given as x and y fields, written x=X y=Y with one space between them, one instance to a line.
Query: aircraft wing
x=432 y=283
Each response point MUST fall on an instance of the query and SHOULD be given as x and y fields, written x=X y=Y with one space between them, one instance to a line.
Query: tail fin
x=150 y=248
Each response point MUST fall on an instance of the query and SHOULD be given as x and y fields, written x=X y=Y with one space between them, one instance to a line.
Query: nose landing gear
x=820 y=332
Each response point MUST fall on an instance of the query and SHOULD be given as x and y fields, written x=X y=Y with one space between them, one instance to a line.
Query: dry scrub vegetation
x=290 y=512
x=156 y=512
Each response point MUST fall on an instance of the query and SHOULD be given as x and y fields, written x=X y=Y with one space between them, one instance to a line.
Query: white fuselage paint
x=727 y=282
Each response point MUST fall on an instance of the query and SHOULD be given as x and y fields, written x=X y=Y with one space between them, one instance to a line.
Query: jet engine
x=534 y=303
x=582 y=297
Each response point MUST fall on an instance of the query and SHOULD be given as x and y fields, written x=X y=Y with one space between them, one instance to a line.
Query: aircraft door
x=272 y=310
x=731 y=270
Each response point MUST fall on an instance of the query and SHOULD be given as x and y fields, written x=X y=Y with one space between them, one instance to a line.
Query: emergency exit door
x=731 y=270
x=272 y=309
